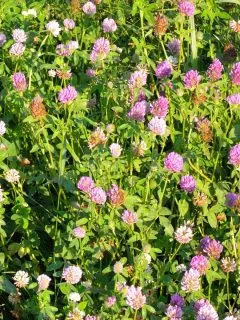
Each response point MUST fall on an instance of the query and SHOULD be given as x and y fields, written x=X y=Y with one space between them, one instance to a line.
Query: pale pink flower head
x=53 y=28
x=173 y=162
x=159 y=108
x=191 y=281
x=100 y=50
x=19 y=35
x=98 y=195
x=177 y=300
x=88 y=317
x=118 y=267
x=184 y=233
x=67 y=94
x=19 y=81
x=134 y=298
x=43 y=282
x=138 y=79
x=234 y=99
x=163 y=70
x=69 y=24
x=228 y=264
x=2 y=127
x=188 y=183
x=109 y=25
x=186 y=8
x=174 y=312
x=17 y=49
x=110 y=301
x=157 y=126
x=85 y=184
x=3 y=39
x=72 y=274
x=215 y=69
x=79 y=232
x=191 y=79
x=91 y=73
x=200 y=263
x=89 y=8
x=235 y=74
x=116 y=150
x=138 y=111
x=201 y=303
x=21 y=279
x=63 y=50
x=129 y=217
x=207 y=312
x=234 y=155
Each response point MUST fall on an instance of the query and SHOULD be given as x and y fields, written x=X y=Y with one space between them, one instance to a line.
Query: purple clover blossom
x=215 y=69
x=173 y=162
x=85 y=184
x=89 y=8
x=157 y=126
x=19 y=81
x=100 y=50
x=159 y=108
x=98 y=195
x=138 y=79
x=109 y=25
x=211 y=247
x=67 y=94
x=231 y=198
x=235 y=74
x=234 y=155
x=138 y=111
x=186 y=8
x=187 y=183
x=200 y=263
x=3 y=39
x=234 y=99
x=163 y=70
x=177 y=300
x=191 y=79
x=174 y=46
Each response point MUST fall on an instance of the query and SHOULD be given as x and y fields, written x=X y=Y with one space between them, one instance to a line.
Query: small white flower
x=74 y=296
x=29 y=12
x=43 y=282
x=53 y=27
x=52 y=73
x=12 y=176
x=21 y=279
x=2 y=128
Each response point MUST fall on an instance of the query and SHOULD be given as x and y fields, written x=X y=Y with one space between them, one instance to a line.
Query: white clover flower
x=21 y=279
x=74 y=296
x=12 y=176
x=53 y=27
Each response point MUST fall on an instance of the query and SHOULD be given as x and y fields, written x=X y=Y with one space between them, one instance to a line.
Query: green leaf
x=6 y=285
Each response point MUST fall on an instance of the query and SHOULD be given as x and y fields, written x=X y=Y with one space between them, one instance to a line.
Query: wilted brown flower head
x=161 y=25
x=203 y=126
x=228 y=264
x=229 y=53
x=200 y=199
x=96 y=138
x=37 y=108
x=65 y=75
x=75 y=6
x=221 y=217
